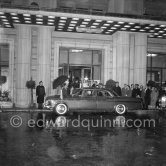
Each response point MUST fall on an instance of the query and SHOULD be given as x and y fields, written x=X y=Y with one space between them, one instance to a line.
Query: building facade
x=42 y=45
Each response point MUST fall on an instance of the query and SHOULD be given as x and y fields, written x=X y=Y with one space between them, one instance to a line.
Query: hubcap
x=61 y=109
x=120 y=109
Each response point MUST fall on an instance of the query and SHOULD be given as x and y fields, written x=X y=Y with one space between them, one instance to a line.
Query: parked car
x=93 y=100
x=162 y=101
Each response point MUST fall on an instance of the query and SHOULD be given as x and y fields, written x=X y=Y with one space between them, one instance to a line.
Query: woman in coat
x=154 y=97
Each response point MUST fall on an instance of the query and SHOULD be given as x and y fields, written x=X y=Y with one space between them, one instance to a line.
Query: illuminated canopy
x=82 y=23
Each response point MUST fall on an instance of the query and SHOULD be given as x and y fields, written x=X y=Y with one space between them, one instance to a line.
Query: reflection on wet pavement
x=43 y=139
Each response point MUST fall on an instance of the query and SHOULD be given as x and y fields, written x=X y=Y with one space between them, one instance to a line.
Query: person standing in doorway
x=40 y=93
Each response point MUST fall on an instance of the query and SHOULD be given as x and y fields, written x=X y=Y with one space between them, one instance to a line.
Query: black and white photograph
x=83 y=82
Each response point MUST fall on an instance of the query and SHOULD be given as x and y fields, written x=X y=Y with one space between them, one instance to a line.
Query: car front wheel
x=61 y=109
x=120 y=109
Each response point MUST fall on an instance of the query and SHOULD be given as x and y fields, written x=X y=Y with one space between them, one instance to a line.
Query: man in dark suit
x=117 y=89
x=136 y=91
x=40 y=93
x=147 y=96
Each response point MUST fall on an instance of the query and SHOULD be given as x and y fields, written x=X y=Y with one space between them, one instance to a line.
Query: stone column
x=23 y=54
x=55 y=66
x=44 y=57
x=121 y=57
x=106 y=64
x=140 y=58
x=129 y=58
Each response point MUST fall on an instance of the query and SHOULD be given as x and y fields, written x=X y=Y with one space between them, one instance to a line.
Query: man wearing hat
x=40 y=93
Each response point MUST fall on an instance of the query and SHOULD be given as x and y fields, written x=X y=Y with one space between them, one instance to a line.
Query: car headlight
x=49 y=104
x=163 y=99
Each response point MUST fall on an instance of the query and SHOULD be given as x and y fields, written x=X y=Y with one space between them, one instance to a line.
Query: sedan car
x=93 y=99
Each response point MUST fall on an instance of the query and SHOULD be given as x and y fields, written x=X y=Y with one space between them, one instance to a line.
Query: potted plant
x=2 y=81
x=110 y=84
x=31 y=85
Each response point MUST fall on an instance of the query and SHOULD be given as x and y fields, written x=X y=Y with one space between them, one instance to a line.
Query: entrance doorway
x=82 y=64
x=80 y=72
x=4 y=73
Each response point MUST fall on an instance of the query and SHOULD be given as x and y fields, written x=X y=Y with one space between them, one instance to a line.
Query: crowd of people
x=69 y=86
x=149 y=94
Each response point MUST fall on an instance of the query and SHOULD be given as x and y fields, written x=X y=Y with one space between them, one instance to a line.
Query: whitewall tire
x=61 y=109
x=120 y=109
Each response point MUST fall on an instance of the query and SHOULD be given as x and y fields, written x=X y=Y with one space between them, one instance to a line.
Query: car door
x=105 y=100
x=87 y=100
x=73 y=100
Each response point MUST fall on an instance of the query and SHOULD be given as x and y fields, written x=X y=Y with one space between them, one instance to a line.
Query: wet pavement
x=44 y=139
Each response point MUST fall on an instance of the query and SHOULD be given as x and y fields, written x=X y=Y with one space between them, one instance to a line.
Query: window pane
x=96 y=72
x=63 y=57
x=156 y=67
x=96 y=57
x=80 y=58
x=80 y=63
x=4 y=66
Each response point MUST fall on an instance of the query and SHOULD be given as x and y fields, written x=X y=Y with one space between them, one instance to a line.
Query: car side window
x=89 y=93
x=107 y=94
x=100 y=94
x=77 y=93
x=104 y=94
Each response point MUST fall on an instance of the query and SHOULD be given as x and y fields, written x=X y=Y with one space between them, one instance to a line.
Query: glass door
x=85 y=65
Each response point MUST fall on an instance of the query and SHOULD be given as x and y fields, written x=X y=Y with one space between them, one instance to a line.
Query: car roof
x=93 y=88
